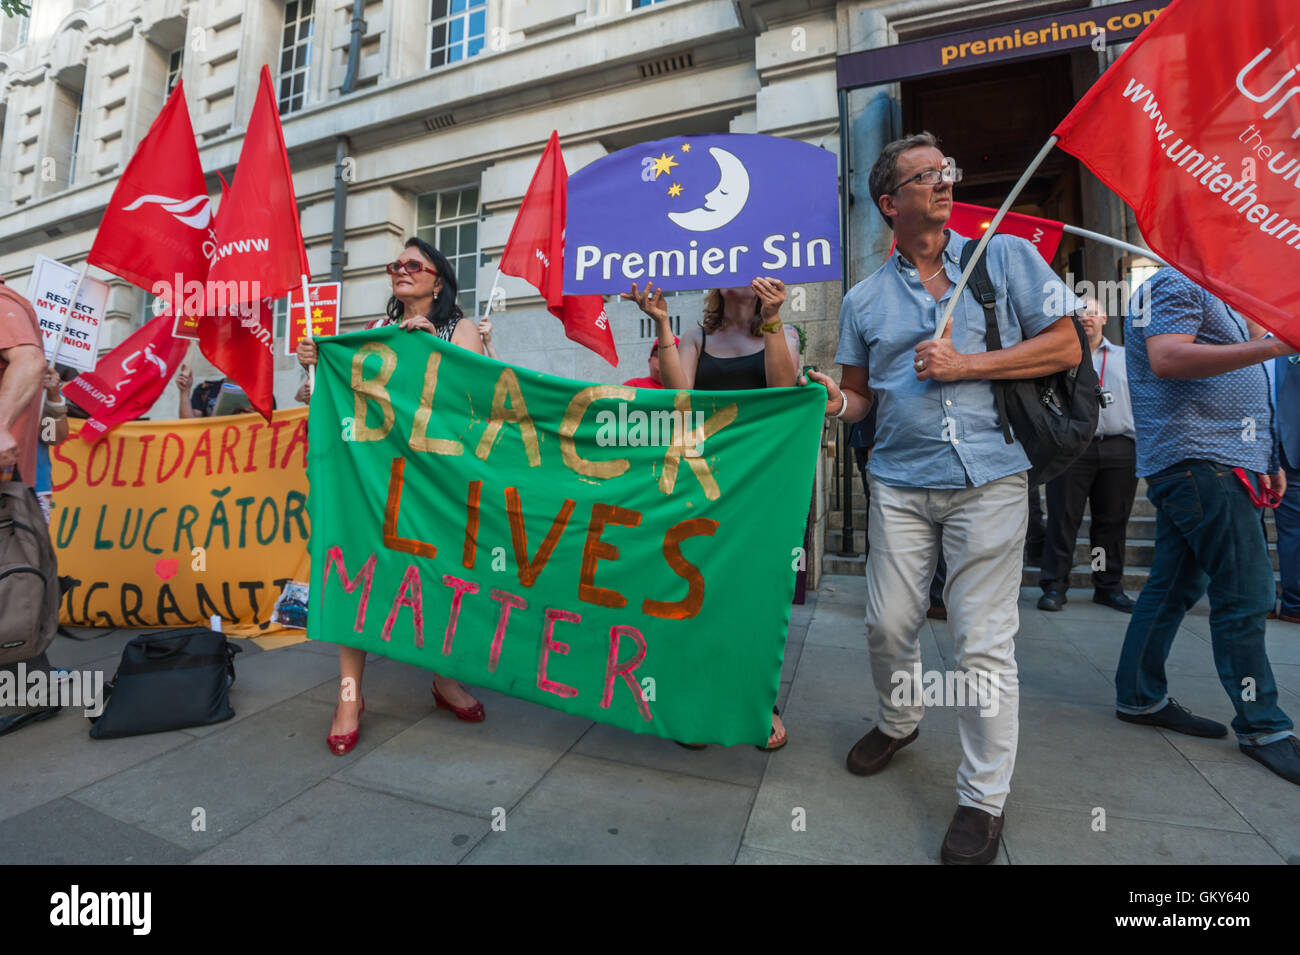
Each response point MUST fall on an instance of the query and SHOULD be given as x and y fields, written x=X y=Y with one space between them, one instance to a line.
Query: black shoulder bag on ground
x=169 y=680
x=1053 y=417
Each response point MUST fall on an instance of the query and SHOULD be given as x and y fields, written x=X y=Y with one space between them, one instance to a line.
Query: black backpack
x=1054 y=417
x=29 y=576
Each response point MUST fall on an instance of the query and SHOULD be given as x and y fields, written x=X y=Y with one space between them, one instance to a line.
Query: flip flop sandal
x=772 y=748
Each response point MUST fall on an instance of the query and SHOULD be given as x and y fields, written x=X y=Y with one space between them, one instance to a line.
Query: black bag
x=1053 y=417
x=169 y=680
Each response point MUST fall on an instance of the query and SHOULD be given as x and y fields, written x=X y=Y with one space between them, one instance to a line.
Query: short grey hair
x=884 y=174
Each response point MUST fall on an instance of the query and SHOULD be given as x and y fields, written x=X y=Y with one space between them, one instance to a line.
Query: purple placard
x=701 y=212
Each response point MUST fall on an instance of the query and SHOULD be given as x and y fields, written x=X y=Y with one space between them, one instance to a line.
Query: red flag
x=1195 y=126
x=128 y=380
x=159 y=217
x=243 y=346
x=971 y=222
x=535 y=252
x=258 y=235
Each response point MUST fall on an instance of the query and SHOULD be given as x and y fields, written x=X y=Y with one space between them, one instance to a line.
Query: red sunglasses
x=410 y=266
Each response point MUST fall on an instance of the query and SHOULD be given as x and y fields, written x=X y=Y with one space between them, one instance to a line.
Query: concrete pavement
x=422 y=787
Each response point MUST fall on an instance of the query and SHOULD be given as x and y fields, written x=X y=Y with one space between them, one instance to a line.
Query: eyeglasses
x=948 y=172
x=410 y=267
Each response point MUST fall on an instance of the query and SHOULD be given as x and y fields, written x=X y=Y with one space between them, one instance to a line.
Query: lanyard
x=1101 y=381
x=1265 y=497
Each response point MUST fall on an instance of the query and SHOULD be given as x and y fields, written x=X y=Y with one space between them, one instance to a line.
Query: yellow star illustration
x=316 y=313
x=664 y=164
x=675 y=189
x=686 y=147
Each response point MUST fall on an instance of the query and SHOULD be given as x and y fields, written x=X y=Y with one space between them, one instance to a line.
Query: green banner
x=624 y=554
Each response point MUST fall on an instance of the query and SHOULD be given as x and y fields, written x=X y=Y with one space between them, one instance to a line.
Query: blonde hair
x=713 y=315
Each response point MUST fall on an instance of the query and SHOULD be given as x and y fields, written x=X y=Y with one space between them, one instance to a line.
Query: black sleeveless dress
x=729 y=374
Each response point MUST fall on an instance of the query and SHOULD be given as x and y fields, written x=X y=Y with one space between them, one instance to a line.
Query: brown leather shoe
x=972 y=838
x=873 y=752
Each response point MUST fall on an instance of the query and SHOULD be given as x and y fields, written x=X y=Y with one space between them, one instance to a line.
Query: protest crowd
x=928 y=378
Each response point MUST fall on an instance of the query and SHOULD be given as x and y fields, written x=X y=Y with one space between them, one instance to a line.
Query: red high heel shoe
x=470 y=714
x=343 y=744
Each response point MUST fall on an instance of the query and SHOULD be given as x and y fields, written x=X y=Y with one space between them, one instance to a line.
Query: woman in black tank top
x=740 y=344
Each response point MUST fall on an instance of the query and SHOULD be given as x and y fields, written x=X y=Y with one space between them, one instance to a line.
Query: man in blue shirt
x=941 y=467
x=1203 y=406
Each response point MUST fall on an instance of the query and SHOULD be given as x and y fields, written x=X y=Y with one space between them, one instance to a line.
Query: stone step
x=1139 y=549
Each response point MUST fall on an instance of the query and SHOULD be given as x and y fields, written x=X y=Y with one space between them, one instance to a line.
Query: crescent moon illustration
x=725 y=201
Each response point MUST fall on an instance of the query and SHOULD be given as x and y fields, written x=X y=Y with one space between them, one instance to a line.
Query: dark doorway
x=993 y=121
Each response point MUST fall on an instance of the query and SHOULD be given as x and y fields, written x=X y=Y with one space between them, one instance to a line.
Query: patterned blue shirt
x=1228 y=418
x=936 y=434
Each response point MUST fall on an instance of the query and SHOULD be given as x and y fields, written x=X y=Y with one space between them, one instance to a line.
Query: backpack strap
x=981 y=286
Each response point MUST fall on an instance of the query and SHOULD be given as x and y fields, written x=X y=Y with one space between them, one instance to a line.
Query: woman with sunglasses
x=741 y=343
x=424 y=299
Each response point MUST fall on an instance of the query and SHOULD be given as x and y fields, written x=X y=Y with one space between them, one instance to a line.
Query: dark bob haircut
x=445 y=309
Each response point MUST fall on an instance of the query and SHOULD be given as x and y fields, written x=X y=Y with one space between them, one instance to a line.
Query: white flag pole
x=63 y=320
x=487 y=308
x=988 y=234
x=306 y=304
x=1127 y=247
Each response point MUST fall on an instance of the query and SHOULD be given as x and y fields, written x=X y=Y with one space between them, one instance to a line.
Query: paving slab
x=236 y=776
x=742 y=765
x=473 y=768
x=592 y=811
x=336 y=824
x=64 y=832
x=389 y=687
x=751 y=856
x=1269 y=803
x=810 y=805
x=1036 y=836
x=1077 y=757
x=47 y=760
x=270 y=677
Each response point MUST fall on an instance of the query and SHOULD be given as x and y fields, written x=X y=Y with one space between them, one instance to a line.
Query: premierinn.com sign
x=997 y=43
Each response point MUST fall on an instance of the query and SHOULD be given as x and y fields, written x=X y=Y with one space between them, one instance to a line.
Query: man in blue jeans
x=1203 y=406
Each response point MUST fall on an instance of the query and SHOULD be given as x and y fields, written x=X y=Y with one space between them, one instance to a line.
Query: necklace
x=923 y=281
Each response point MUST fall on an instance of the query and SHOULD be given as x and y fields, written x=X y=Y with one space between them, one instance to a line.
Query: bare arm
x=466 y=335
x=853 y=386
x=1054 y=349
x=1175 y=355
x=20 y=382
x=671 y=370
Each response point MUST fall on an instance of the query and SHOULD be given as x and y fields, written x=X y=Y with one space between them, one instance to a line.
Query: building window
x=448 y=221
x=23 y=23
x=295 y=55
x=456 y=30
x=638 y=4
x=280 y=311
x=175 y=60
x=76 y=141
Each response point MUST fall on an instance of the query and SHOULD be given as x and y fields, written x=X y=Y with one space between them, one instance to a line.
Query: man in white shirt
x=1105 y=476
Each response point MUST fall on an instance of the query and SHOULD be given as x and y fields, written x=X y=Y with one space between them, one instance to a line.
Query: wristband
x=844 y=404
x=773 y=326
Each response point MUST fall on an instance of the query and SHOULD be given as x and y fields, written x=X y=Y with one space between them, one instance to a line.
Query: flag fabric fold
x=258 y=256
x=1195 y=126
x=535 y=253
x=159 y=217
x=129 y=379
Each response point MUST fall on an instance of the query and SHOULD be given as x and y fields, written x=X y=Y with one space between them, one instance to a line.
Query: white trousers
x=983 y=534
